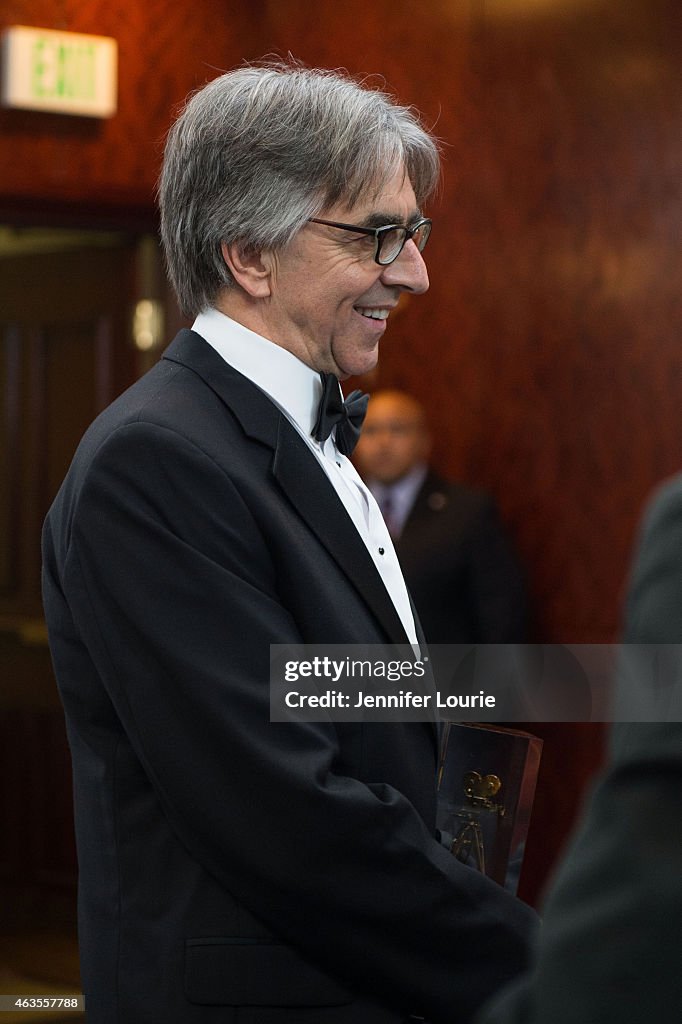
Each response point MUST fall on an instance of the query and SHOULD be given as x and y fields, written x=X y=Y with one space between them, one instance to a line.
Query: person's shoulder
x=665 y=499
x=653 y=610
x=169 y=405
x=661 y=515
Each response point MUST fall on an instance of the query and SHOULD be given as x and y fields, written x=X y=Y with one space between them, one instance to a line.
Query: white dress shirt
x=296 y=388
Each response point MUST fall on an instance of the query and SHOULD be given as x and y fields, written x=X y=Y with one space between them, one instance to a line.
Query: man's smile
x=372 y=314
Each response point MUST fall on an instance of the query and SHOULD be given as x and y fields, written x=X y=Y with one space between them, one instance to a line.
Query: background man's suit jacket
x=609 y=950
x=462 y=573
x=234 y=870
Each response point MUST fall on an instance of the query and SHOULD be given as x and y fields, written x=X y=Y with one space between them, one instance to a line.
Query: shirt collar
x=294 y=387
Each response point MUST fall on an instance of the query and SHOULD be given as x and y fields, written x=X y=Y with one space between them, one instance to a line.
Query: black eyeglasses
x=389 y=239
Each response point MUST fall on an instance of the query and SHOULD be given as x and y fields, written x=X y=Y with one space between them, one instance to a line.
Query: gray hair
x=259 y=150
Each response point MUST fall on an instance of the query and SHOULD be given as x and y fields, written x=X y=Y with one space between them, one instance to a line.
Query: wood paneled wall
x=548 y=350
x=165 y=50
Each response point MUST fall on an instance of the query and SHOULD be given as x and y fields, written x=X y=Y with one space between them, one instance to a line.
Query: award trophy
x=486 y=785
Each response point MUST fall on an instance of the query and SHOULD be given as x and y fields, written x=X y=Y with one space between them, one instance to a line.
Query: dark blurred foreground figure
x=235 y=870
x=610 y=946
x=460 y=568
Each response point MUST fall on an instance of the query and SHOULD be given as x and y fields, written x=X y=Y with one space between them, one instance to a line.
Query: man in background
x=460 y=568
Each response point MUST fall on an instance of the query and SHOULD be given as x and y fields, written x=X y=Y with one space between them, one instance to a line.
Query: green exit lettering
x=62 y=70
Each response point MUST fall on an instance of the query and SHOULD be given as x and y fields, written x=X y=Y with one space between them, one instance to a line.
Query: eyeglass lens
x=393 y=241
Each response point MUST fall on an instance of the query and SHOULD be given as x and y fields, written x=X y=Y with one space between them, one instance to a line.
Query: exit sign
x=64 y=72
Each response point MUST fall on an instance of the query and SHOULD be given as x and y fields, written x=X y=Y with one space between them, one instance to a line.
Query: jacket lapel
x=431 y=498
x=310 y=491
x=297 y=472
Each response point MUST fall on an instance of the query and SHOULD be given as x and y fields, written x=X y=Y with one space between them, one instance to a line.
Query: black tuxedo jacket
x=462 y=573
x=609 y=950
x=234 y=870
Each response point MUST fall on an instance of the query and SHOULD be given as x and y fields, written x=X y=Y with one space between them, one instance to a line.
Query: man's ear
x=248 y=269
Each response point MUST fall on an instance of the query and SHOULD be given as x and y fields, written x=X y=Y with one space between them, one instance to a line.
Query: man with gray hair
x=234 y=869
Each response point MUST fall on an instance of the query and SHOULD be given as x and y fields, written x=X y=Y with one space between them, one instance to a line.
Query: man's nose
x=408 y=271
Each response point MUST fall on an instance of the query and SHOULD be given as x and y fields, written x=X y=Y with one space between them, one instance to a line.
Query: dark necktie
x=387 y=508
x=333 y=412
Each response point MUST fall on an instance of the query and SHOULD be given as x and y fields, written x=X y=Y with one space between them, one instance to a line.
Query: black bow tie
x=346 y=416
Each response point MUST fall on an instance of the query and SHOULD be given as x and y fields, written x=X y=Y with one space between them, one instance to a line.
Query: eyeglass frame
x=379 y=233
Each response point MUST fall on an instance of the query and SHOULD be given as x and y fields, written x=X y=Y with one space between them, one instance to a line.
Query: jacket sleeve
x=175 y=592
x=609 y=946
